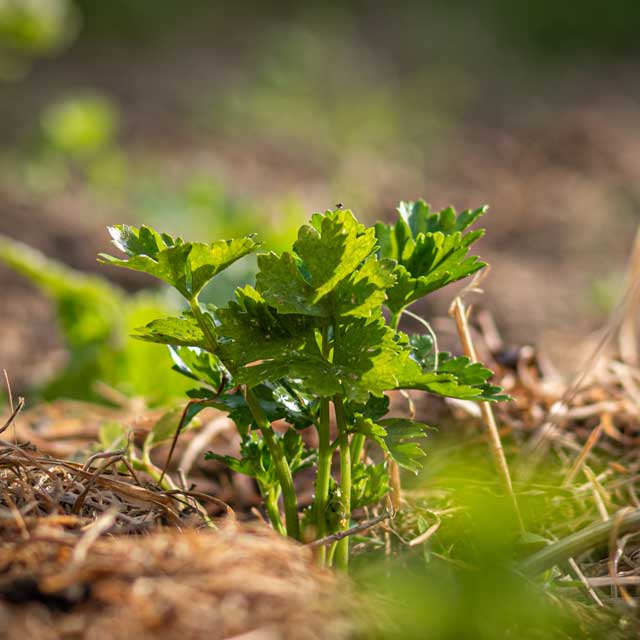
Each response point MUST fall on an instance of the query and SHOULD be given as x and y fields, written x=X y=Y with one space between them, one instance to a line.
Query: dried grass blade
x=495 y=442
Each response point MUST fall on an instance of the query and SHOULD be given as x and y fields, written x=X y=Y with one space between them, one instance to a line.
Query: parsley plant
x=312 y=335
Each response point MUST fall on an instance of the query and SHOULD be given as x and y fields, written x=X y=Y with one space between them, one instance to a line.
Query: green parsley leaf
x=332 y=247
x=187 y=266
x=401 y=444
x=430 y=250
x=454 y=378
x=198 y=364
x=369 y=484
x=183 y=331
x=333 y=255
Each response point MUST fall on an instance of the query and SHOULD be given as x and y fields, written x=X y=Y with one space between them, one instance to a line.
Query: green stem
x=275 y=448
x=342 y=550
x=325 y=455
x=395 y=320
x=331 y=553
x=202 y=322
x=357 y=444
x=323 y=476
x=283 y=470
x=270 y=497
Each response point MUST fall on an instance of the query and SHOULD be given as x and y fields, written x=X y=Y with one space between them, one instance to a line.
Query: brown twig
x=627 y=339
x=359 y=528
x=584 y=454
x=423 y=537
x=589 y=587
x=13 y=416
x=495 y=443
x=612 y=564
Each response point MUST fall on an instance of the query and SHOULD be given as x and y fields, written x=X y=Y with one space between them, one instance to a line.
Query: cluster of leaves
x=313 y=333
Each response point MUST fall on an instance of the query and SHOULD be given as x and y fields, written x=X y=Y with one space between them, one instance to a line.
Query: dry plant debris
x=36 y=490
x=87 y=552
x=231 y=583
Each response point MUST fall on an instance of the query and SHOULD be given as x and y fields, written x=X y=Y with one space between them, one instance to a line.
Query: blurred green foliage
x=464 y=582
x=605 y=291
x=96 y=319
x=31 y=28
x=451 y=600
x=79 y=145
x=80 y=126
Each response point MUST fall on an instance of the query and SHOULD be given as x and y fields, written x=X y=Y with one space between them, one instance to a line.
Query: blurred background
x=212 y=119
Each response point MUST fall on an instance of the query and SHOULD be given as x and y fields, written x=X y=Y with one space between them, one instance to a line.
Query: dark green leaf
x=454 y=378
x=376 y=407
x=282 y=286
x=400 y=442
x=255 y=459
x=332 y=247
x=198 y=364
x=297 y=455
x=370 y=359
x=430 y=249
x=419 y=218
x=367 y=427
x=369 y=484
x=140 y=242
x=182 y=332
x=362 y=294
x=422 y=350
x=252 y=331
x=333 y=254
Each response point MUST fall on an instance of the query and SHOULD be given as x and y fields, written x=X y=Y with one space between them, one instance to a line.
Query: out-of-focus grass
x=464 y=582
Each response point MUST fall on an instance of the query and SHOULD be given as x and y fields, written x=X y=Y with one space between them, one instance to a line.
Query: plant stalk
x=270 y=498
x=275 y=448
x=342 y=548
x=282 y=466
x=357 y=444
x=325 y=456
x=153 y=472
x=202 y=322
x=323 y=476
x=395 y=484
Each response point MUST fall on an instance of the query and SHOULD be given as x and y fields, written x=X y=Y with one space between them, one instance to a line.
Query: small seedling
x=310 y=340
